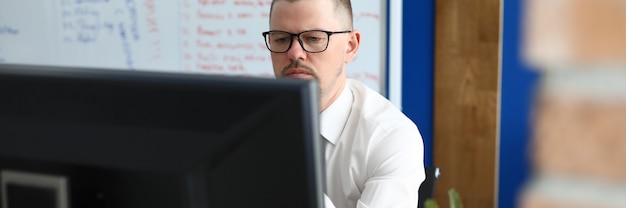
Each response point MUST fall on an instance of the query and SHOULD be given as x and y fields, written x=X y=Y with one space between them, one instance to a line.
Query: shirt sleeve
x=395 y=169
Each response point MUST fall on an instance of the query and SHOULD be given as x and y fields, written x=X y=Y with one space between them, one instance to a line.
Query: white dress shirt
x=374 y=153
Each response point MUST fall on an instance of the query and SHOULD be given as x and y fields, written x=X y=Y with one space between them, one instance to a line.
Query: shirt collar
x=333 y=119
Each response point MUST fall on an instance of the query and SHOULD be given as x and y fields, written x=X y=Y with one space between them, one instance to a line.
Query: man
x=374 y=153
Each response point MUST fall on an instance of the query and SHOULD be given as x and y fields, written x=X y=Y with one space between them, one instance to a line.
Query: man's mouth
x=298 y=73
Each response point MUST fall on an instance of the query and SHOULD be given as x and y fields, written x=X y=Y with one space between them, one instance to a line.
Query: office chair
x=427 y=188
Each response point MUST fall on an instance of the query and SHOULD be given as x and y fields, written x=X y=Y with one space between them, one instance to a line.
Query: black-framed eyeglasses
x=312 y=41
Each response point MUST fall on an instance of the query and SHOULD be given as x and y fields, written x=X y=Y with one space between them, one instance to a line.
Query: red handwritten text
x=201 y=31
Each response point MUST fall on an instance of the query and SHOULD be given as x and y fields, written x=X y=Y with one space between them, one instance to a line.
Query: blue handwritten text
x=7 y=30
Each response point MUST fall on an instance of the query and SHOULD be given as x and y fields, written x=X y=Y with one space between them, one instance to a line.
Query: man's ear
x=353 y=45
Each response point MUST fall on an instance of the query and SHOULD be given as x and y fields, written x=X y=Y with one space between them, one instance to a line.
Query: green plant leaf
x=430 y=203
x=455 y=199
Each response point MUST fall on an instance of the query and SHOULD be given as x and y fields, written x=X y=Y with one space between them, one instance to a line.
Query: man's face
x=327 y=67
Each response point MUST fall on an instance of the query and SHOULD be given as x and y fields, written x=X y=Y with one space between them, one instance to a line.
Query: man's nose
x=296 y=51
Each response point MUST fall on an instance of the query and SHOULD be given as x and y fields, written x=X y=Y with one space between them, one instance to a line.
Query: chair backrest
x=427 y=188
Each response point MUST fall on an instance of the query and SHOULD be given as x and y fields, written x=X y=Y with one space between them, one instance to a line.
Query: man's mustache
x=298 y=64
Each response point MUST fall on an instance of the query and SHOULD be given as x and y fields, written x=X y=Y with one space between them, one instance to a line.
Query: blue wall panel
x=516 y=97
x=418 y=66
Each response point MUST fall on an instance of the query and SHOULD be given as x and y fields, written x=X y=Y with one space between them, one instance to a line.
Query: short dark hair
x=340 y=6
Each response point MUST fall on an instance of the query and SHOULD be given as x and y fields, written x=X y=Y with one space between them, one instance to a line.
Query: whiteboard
x=181 y=36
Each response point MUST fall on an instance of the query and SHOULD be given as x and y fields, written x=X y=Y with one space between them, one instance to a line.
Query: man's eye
x=314 y=39
x=281 y=40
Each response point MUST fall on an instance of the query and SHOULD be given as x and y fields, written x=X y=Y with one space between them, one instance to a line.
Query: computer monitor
x=73 y=137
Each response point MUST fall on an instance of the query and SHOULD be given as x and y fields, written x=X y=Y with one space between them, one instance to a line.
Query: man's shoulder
x=365 y=96
x=371 y=104
x=375 y=111
x=377 y=123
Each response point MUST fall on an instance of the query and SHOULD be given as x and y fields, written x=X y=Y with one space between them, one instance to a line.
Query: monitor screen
x=110 y=138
